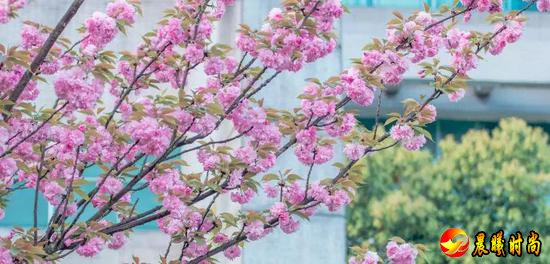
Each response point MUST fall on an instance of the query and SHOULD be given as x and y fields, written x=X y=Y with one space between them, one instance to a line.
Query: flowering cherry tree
x=140 y=142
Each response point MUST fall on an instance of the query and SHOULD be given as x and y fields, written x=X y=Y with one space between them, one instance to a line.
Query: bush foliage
x=487 y=181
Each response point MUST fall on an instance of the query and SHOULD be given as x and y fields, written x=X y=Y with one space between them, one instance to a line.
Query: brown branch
x=232 y=107
x=208 y=144
x=42 y=54
x=35 y=205
x=134 y=81
x=465 y=10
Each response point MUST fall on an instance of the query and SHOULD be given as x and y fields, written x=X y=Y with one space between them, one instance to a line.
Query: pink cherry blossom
x=343 y=127
x=246 y=154
x=318 y=192
x=5 y=256
x=275 y=14
x=294 y=193
x=372 y=58
x=152 y=137
x=75 y=87
x=52 y=192
x=510 y=34
x=336 y=200
x=270 y=190
x=543 y=5
x=278 y=210
x=356 y=88
x=307 y=136
x=464 y=62
x=121 y=10
x=117 y=240
x=289 y=225
x=368 y=258
x=414 y=143
x=401 y=254
x=171 y=33
x=157 y=122
x=8 y=167
x=246 y=43
x=354 y=151
x=194 y=53
x=401 y=131
x=31 y=37
x=457 y=39
x=242 y=197
x=93 y=246
x=255 y=230
x=428 y=114
x=100 y=29
x=220 y=238
x=232 y=252
x=213 y=66
x=456 y=95
x=8 y=8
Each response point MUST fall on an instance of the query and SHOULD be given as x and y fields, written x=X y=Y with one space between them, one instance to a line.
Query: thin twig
x=34 y=131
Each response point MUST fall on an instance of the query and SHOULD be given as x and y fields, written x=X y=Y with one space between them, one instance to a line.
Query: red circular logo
x=454 y=242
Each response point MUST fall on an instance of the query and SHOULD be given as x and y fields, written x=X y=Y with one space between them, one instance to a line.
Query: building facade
x=517 y=83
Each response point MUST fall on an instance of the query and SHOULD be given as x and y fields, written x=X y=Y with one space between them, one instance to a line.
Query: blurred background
x=483 y=172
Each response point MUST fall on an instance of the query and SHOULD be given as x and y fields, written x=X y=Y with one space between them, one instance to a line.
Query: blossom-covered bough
x=141 y=143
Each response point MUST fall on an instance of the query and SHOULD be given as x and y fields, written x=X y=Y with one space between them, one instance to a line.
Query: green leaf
x=229 y=219
x=270 y=177
x=424 y=132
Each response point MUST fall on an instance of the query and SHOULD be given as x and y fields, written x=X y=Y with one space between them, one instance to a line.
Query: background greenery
x=485 y=182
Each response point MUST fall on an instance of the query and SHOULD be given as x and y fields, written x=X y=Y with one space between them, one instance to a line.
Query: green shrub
x=485 y=182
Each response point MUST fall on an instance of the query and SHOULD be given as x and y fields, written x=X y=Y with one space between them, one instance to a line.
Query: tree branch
x=39 y=59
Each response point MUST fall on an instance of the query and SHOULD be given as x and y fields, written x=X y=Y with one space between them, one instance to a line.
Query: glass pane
x=518 y=4
x=19 y=211
x=508 y=4
x=448 y=3
x=357 y=3
x=147 y=200
x=20 y=204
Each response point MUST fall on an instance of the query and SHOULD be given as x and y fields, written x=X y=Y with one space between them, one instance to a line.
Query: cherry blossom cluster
x=32 y=38
x=495 y=6
x=286 y=41
x=543 y=5
x=8 y=9
x=160 y=122
x=396 y=253
x=491 y=6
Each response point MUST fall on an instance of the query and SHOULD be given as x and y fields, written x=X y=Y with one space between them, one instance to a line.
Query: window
x=19 y=210
x=147 y=199
x=456 y=128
